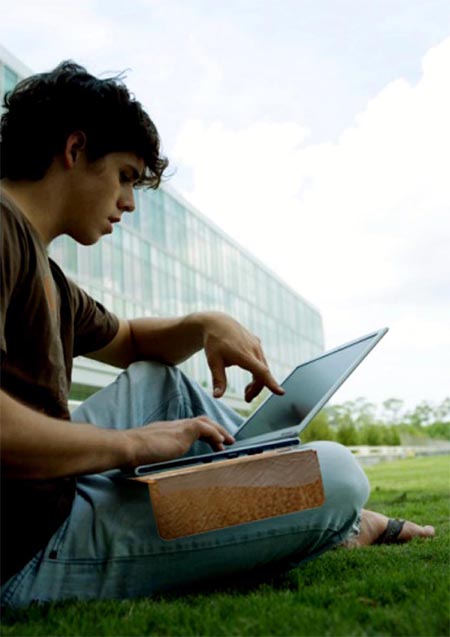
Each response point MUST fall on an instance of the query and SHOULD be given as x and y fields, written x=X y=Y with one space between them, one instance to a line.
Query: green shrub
x=318 y=429
x=348 y=435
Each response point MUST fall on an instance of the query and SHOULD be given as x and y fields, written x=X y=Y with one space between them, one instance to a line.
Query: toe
x=412 y=530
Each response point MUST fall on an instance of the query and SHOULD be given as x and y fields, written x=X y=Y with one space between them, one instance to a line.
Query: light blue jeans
x=109 y=546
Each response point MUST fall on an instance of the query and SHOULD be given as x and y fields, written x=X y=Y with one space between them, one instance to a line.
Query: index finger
x=227 y=436
x=261 y=373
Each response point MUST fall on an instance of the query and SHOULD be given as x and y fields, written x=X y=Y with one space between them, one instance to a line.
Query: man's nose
x=126 y=202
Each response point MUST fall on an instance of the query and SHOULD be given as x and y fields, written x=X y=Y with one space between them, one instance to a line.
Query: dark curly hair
x=44 y=109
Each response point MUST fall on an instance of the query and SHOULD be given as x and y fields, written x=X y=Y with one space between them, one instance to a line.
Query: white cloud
x=52 y=25
x=361 y=227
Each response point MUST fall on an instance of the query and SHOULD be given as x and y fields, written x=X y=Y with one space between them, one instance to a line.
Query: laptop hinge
x=289 y=434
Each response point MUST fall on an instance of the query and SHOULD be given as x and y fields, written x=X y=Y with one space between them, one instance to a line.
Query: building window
x=10 y=79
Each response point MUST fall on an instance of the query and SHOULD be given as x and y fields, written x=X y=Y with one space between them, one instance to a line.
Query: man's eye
x=125 y=178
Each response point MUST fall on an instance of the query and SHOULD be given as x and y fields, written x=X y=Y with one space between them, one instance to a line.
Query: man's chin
x=86 y=240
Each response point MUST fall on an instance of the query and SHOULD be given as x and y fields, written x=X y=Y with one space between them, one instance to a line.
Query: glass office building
x=11 y=71
x=168 y=259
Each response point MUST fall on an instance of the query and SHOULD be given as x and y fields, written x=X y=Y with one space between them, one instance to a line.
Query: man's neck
x=35 y=199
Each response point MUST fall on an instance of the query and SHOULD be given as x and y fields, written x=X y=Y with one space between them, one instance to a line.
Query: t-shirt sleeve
x=94 y=325
x=14 y=262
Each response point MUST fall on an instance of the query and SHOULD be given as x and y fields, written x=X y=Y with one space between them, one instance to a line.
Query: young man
x=73 y=148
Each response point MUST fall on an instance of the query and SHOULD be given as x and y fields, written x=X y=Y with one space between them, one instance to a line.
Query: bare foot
x=373 y=524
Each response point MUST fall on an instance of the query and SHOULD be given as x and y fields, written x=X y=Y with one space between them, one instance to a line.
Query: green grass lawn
x=383 y=590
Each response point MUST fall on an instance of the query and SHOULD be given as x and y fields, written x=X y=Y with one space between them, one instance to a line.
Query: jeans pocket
x=55 y=544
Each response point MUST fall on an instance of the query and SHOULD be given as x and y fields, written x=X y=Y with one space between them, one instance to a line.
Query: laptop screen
x=310 y=385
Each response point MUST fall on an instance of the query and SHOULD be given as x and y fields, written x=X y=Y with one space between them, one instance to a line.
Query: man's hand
x=161 y=441
x=227 y=342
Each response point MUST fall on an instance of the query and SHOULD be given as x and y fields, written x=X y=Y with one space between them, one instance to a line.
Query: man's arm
x=35 y=446
x=225 y=341
x=168 y=340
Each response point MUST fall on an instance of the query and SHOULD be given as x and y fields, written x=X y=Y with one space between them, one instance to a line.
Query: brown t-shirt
x=45 y=320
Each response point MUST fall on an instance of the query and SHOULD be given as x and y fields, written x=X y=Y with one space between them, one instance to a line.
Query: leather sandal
x=391 y=532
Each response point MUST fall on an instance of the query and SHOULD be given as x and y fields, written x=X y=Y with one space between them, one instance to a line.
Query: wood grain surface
x=202 y=498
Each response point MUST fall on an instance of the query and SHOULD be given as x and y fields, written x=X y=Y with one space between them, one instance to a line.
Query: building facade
x=168 y=259
x=11 y=71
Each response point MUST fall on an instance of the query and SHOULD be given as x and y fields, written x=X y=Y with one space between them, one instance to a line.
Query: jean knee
x=159 y=376
x=345 y=483
x=141 y=370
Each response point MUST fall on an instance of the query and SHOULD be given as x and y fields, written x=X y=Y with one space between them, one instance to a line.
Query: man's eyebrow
x=137 y=176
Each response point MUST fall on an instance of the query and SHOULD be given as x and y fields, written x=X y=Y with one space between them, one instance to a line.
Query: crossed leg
x=373 y=525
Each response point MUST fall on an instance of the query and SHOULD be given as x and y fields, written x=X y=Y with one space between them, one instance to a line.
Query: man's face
x=100 y=192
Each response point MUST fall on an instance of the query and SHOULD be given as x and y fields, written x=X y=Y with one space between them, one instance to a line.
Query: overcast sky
x=315 y=132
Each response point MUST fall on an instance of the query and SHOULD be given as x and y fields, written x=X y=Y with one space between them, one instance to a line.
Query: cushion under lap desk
x=206 y=497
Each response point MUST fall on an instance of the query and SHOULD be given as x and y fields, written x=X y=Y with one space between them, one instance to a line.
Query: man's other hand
x=161 y=441
x=227 y=342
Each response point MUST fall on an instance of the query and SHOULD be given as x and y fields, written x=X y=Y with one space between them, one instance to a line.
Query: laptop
x=278 y=422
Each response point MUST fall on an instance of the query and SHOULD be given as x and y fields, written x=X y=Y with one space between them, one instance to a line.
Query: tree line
x=360 y=422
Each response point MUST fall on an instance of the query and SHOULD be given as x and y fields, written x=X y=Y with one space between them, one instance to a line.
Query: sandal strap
x=391 y=532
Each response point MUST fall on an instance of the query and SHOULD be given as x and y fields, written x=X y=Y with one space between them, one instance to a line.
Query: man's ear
x=75 y=145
